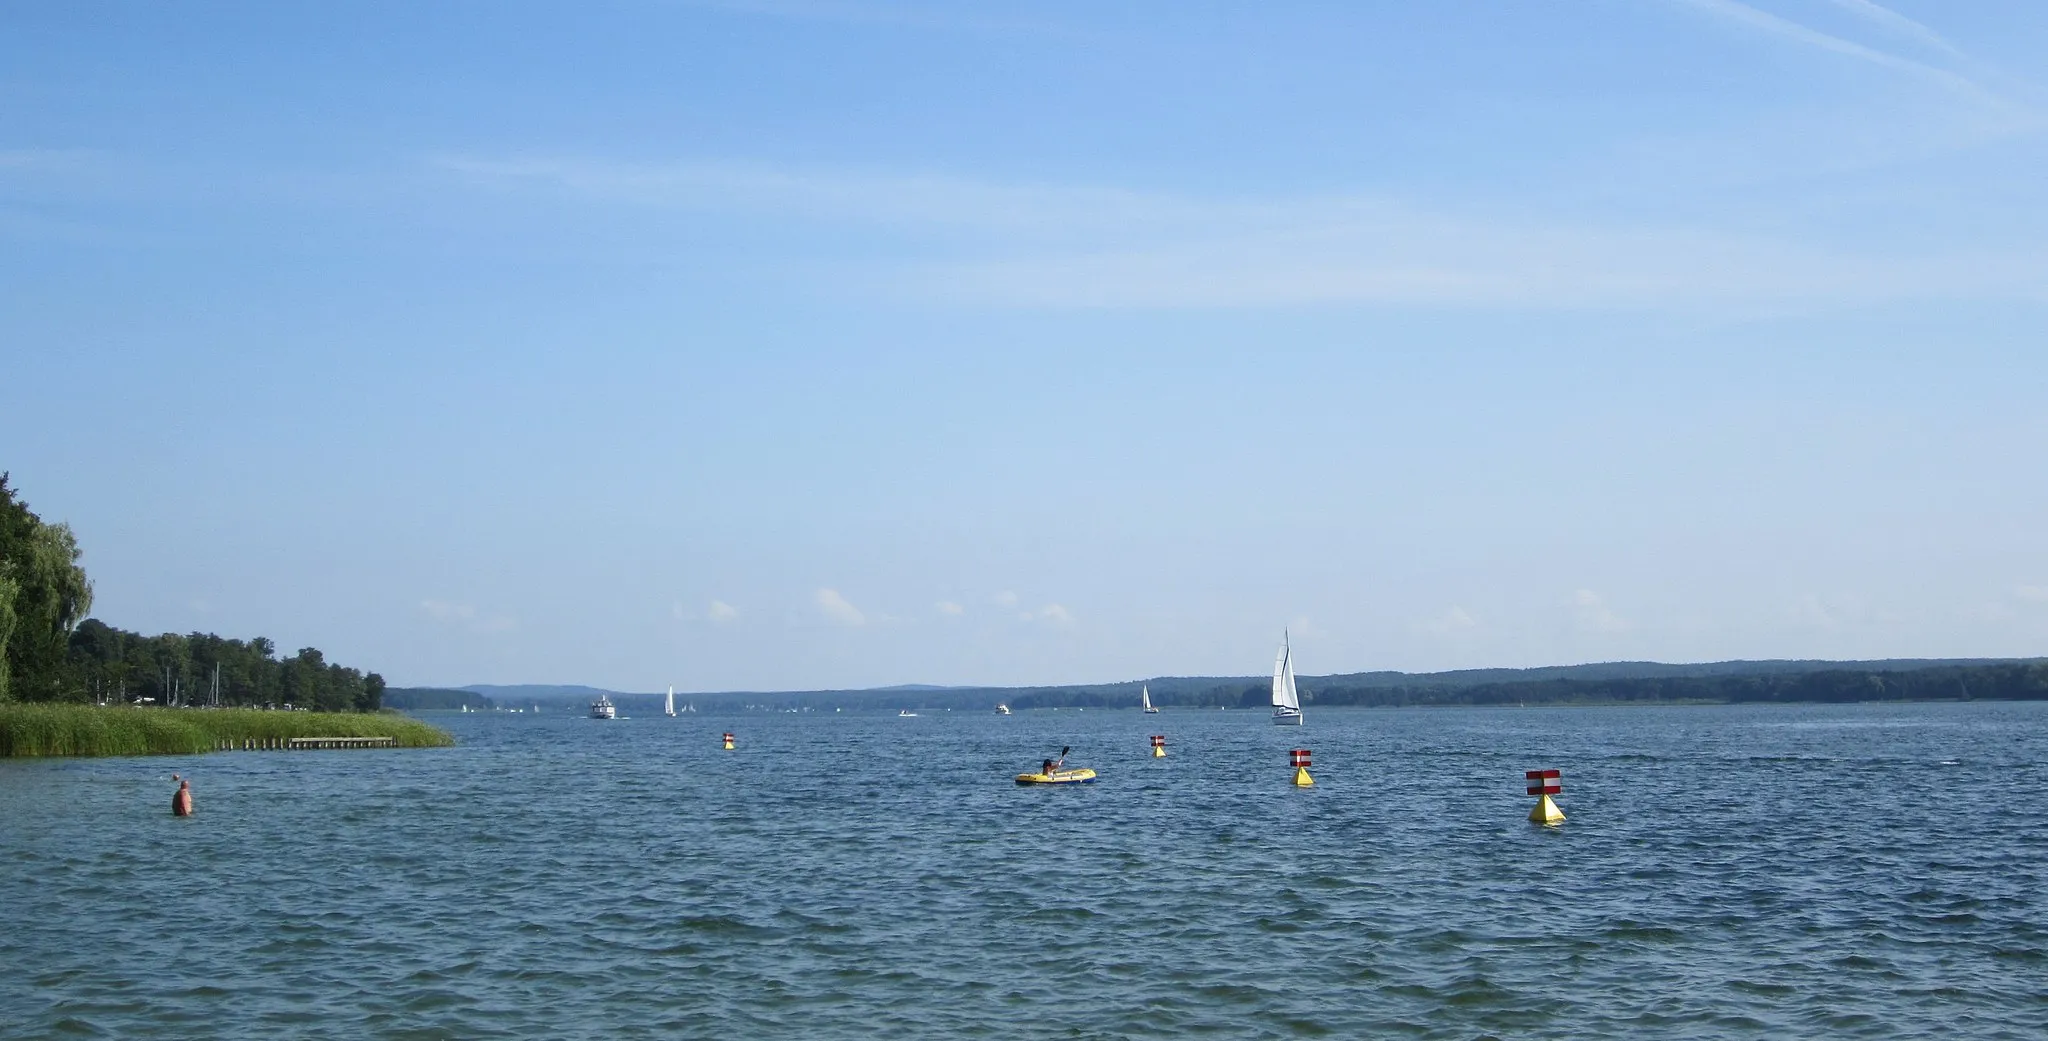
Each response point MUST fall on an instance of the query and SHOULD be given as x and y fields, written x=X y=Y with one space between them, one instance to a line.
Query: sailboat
x=1145 y=698
x=669 y=706
x=1286 y=700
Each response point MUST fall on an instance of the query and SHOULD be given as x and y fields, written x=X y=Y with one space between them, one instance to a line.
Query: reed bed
x=41 y=730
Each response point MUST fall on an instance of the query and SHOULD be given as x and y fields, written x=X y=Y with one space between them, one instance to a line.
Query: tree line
x=50 y=651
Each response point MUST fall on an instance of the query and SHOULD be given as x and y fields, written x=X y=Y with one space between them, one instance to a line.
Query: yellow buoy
x=1546 y=812
x=728 y=742
x=1158 y=746
x=1299 y=758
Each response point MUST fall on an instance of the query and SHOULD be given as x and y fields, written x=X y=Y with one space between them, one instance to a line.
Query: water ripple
x=1854 y=871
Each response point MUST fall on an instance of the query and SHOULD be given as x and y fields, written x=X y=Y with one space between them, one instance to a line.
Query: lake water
x=1837 y=871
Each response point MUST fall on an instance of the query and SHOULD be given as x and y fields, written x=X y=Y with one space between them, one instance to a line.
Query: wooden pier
x=294 y=744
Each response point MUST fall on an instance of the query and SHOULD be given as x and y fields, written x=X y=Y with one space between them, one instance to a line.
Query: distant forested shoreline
x=1606 y=683
x=51 y=652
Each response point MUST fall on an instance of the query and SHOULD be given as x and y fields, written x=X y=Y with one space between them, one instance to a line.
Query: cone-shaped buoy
x=1158 y=746
x=728 y=742
x=1298 y=758
x=1546 y=812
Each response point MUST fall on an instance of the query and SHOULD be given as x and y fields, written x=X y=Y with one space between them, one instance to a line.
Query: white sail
x=1145 y=698
x=670 y=706
x=1286 y=700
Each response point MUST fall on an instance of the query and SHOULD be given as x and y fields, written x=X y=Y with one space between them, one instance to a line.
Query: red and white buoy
x=728 y=740
x=1298 y=758
x=1545 y=783
x=1158 y=746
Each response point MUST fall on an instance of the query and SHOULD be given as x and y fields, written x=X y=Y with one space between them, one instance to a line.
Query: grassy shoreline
x=88 y=730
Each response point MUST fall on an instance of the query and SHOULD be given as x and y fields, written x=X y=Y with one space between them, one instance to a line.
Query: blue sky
x=803 y=343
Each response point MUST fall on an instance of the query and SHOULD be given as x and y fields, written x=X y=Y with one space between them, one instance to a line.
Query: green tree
x=46 y=595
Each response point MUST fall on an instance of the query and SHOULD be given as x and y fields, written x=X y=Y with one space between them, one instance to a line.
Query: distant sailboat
x=1145 y=698
x=669 y=706
x=1286 y=700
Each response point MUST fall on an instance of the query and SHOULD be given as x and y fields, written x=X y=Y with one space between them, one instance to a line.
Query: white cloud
x=837 y=609
x=1592 y=614
x=1301 y=626
x=1054 y=614
x=1834 y=612
x=447 y=612
x=2031 y=594
x=720 y=611
x=1004 y=599
x=948 y=607
x=1455 y=620
x=467 y=616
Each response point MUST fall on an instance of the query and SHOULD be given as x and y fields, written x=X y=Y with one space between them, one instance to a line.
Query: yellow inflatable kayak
x=1078 y=776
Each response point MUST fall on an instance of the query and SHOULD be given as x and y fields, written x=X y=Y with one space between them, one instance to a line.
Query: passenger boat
x=603 y=708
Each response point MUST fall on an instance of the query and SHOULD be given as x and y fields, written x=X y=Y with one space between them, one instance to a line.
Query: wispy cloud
x=1454 y=620
x=1044 y=246
x=720 y=611
x=1591 y=613
x=948 y=607
x=943 y=16
x=1006 y=598
x=1302 y=626
x=2031 y=594
x=836 y=608
x=467 y=617
x=444 y=611
x=1054 y=614
x=1900 y=25
x=1785 y=28
x=42 y=158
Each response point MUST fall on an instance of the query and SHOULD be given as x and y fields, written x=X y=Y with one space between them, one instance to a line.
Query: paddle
x=1064 y=749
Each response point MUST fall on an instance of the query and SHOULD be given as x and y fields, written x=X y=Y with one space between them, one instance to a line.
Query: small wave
x=722 y=925
x=1642 y=933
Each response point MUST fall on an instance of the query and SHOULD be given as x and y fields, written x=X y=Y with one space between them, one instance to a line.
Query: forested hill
x=1601 y=683
x=434 y=699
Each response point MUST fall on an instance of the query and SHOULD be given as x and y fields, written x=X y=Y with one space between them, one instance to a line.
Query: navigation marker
x=1298 y=758
x=1545 y=783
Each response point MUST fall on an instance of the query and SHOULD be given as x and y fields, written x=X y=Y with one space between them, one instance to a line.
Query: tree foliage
x=109 y=665
x=43 y=595
x=51 y=652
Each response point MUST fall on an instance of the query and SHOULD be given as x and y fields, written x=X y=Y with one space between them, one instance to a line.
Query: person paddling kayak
x=1053 y=771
